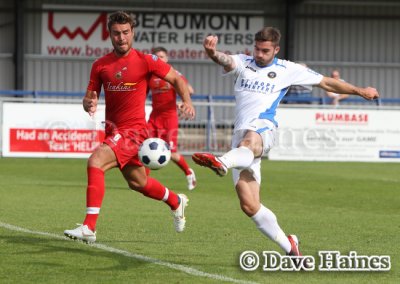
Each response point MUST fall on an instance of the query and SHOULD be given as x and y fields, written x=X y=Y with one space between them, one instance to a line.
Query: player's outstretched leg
x=210 y=161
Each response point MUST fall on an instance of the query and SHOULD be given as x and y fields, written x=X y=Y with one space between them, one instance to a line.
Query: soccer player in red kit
x=163 y=121
x=124 y=75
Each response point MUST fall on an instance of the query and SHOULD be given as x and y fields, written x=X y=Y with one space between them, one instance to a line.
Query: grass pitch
x=330 y=206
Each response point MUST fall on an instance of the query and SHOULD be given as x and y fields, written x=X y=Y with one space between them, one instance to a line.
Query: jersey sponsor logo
x=271 y=75
x=120 y=87
x=257 y=86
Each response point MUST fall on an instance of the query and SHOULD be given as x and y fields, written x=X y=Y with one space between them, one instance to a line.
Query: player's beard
x=121 y=50
x=261 y=62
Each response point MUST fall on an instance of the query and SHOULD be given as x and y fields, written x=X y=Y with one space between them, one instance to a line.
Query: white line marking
x=183 y=268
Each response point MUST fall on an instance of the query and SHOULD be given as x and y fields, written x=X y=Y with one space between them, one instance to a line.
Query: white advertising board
x=85 y=34
x=337 y=135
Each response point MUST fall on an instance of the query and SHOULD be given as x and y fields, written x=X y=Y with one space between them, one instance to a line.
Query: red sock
x=183 y=165
x=94 y=196
x=154 y=189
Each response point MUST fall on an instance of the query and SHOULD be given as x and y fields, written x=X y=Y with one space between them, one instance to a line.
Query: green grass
x=330 y=206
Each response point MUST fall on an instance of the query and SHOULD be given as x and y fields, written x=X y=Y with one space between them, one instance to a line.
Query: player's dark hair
x=158 y=49
x=120 y=17
x=271 y=34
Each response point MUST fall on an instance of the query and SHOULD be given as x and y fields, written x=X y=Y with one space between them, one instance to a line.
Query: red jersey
x=125 y=83
x=163 y=95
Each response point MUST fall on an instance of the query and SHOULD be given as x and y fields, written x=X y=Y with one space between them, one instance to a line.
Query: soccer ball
x=154 y=153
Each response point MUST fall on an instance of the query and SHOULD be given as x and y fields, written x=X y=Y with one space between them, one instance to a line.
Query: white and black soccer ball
x=154 y=153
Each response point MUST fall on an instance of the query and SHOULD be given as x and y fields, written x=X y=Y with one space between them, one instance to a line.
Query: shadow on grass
x=66 y=253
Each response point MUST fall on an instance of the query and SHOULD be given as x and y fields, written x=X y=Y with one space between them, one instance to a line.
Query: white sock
x=166 y=195
x=241 y=157
x=266 y=222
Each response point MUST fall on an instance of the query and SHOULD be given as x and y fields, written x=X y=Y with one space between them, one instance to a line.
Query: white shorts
x=267 y=131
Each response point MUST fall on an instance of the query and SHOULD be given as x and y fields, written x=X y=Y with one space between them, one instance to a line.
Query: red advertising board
x=54 y=140
x=50 y=130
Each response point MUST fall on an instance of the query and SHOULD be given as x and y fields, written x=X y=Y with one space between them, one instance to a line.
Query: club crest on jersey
x=271 y=75
x=155 y=57
x=118 y=75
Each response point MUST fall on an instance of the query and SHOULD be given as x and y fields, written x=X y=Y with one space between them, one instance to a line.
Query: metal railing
x=212 y=128
x=203 y=97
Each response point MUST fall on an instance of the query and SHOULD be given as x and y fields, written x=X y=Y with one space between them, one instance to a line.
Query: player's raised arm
x=89 y=102
x=341 y=87
x=225 y=60
x=181 y=87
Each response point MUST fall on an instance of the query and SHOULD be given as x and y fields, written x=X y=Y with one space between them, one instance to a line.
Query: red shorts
x=166 y=128
x=125 y=145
